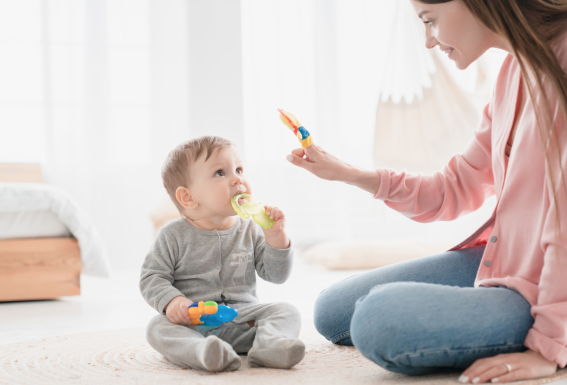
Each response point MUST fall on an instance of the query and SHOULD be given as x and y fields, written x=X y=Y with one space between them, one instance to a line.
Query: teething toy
x=215 y=314
x=291 y=121
x=252 y=207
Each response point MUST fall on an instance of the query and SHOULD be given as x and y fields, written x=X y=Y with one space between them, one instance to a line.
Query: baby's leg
x=277 y=327
x=186 y=347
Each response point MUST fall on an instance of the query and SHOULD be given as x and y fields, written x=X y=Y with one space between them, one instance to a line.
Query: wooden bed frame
x=36 y=268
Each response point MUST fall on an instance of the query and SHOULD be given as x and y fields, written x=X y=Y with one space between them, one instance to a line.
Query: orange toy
x=195 y=312
x=210 y=313
x=293 y=124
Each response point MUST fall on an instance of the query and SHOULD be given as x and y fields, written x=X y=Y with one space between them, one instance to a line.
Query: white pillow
x=367 y=254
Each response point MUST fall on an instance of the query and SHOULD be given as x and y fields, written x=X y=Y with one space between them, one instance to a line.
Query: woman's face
x=453 y=28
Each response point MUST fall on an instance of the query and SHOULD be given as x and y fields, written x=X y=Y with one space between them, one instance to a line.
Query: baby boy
x=210 y=254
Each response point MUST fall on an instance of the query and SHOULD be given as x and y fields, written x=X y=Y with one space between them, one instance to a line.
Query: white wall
x=215 y=69
x=99 y=92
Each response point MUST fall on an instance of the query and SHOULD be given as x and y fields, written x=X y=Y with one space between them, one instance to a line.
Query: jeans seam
x=339 y=337
x=411 y=355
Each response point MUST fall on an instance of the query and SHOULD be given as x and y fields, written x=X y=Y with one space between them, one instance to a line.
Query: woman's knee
x=380 y=328
x=321 y=314
x=331 y=315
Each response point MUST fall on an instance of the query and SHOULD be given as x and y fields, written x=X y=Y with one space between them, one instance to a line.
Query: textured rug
x=120 y=357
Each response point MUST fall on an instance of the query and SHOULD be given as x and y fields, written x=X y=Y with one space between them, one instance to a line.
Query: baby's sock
x=215 y=355
x=282 y=353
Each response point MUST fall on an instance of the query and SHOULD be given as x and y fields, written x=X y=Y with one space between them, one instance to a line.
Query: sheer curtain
x=96 y=91
x=332 y=63
x=99 y=91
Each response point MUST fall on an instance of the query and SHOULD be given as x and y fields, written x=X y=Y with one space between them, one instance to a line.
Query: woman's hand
x=318 y=162
x=523 y=366
x=326 y=166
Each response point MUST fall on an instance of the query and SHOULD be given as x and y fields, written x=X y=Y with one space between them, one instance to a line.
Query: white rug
x=120 y=357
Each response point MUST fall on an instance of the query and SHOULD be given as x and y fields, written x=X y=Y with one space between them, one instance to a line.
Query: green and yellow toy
x=251 y=207
x=291 y=121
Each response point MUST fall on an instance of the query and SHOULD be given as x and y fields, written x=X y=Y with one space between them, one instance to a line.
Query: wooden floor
x=115 y=303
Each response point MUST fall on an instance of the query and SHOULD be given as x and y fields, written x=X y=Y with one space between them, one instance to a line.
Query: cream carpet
x=120 y=357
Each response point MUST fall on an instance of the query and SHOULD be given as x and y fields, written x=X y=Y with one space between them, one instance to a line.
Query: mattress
x=32 y=224
x=38 y=210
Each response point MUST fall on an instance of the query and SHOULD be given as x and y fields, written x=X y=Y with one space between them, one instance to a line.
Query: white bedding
x=47 y=211
x=32 y=224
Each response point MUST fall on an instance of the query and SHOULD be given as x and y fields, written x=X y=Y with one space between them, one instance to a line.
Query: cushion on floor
x=368 y=254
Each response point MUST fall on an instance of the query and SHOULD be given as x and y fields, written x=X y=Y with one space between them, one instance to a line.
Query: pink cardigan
x=521 y=252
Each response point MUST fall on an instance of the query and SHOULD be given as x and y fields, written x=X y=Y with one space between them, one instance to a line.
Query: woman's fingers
x=523 y=366
x=489 y=374
x=311 y=152
x=514 y=375
x=299 y=161
x=480 y=367
x=318 y=162
x=298 y=152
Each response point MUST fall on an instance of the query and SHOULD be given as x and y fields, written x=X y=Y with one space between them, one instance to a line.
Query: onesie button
x=493 y=238
x=487 y=263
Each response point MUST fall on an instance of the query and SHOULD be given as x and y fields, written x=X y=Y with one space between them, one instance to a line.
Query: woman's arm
x=461 y=187
x=326 y=166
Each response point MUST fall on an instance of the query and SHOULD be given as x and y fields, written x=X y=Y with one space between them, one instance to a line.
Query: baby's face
x=217 y=180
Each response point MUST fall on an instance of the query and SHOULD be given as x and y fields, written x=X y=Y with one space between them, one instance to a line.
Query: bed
x=46 y=240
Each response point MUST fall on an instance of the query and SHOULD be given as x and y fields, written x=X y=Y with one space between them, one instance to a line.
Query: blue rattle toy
x=214 y=314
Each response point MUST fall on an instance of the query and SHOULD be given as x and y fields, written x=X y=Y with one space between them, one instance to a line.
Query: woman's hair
x=531 y=27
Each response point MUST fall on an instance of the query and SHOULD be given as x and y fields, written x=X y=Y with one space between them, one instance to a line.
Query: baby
x=210 y=254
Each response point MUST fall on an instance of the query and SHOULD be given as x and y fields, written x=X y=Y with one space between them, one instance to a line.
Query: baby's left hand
x=279 y=219
x=275 y=235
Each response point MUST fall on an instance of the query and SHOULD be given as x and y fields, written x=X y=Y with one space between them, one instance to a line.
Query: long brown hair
x=531 y=27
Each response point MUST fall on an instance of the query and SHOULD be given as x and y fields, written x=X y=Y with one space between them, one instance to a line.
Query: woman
x=495 y=305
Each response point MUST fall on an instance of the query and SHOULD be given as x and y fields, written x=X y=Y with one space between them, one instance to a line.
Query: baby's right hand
x=176 y=311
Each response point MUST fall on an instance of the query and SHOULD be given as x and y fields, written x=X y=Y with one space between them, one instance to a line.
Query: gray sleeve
x=156 y=280
x=272 y=265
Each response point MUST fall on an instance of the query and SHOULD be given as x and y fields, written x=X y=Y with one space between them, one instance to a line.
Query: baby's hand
x=279 y=219
x=275 y=235
x=176 y=311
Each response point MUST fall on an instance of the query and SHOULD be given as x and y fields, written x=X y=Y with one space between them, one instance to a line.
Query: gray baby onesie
x=220 y=266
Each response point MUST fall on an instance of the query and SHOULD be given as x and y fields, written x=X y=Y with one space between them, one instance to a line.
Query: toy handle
x=295 y=126
x=195 y=312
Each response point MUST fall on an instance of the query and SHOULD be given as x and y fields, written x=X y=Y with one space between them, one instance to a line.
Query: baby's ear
x=185 y=198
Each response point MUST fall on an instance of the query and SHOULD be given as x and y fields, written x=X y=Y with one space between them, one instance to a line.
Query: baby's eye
x=219 y=173
x=239 y=170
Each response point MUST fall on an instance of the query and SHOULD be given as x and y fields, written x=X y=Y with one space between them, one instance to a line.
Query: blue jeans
x=423 y=315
